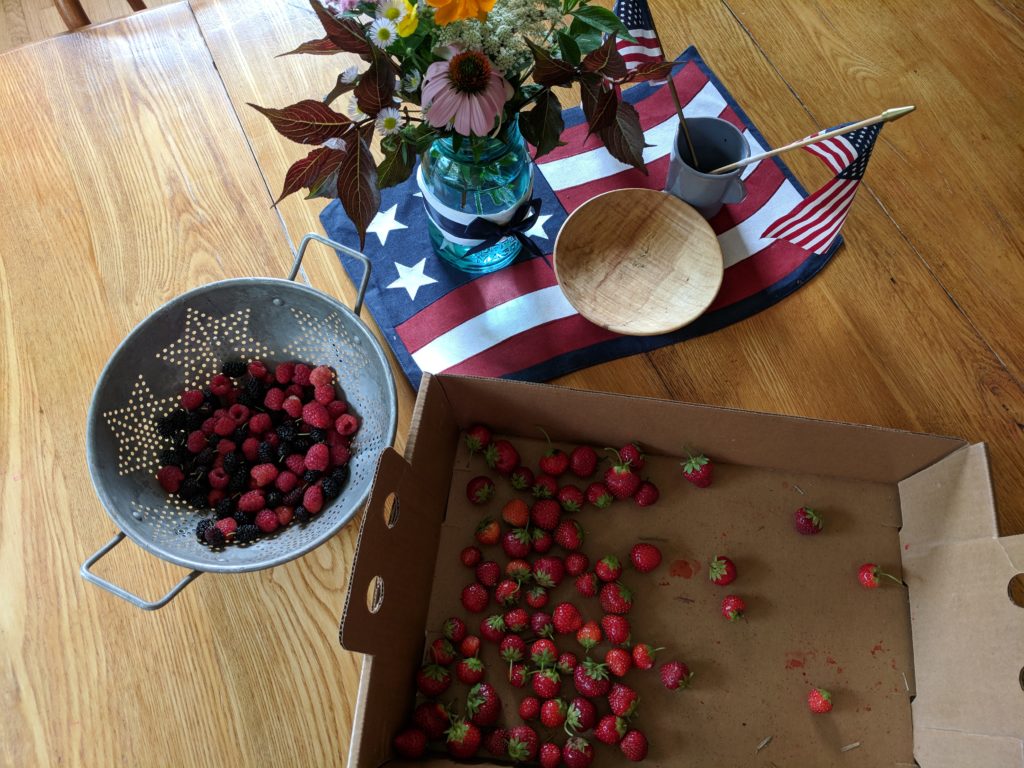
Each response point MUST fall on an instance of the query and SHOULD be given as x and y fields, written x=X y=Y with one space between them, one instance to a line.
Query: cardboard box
x=937 y=678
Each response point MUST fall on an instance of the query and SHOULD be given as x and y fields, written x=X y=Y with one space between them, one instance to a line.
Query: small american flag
x=815 y=223
x=636 y=15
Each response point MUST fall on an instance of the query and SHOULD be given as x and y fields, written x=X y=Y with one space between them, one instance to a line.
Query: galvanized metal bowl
x=182 y=345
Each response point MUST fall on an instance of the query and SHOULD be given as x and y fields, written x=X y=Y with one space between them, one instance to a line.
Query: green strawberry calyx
x=694 y=463
x=718 y=568
x=811 y=515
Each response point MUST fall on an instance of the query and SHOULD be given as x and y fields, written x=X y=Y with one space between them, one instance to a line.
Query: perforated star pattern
x=325 y=338
x=134 y=427
x=207 y=341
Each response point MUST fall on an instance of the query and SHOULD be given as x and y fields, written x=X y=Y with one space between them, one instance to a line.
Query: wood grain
x=28 y=21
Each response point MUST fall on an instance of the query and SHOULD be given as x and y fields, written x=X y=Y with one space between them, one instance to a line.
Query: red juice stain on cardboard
x=684 y=569
x=795 y=659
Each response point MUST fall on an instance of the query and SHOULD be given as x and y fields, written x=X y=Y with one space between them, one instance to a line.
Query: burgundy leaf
x=322 y=47
x=357 y=186
x=376 y=86
x=599 y=103
x=549 y=71
x=308 y=122
x=658 y=70
x=322 y=170
x=606 y=61
x=396 y=166
x=624 y=138
x=345 y=33
x=542 y=126
x=297 y=176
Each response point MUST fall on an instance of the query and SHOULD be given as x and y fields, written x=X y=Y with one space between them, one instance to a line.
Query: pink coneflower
x=466 y=93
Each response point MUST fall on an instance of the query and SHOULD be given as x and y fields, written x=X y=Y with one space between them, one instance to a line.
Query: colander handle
x=363 y=282
x=138 y=602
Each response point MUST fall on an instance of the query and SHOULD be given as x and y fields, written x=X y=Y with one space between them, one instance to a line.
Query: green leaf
x=357 y=186
x=322 y=47
x=548 y=70
x=569 y=49
x=624 y=138
x=307 y=122
x=599 y=103
x=542 y=126
x=396 y=166
x=603 y=20
x=587 y=38
x=419 y=137
x=606 y=61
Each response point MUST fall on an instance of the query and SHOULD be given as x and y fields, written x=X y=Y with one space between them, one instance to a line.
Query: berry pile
x=260 y=447
x=573 y=668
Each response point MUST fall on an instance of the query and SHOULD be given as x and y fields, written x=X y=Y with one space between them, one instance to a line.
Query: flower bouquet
x=460 y=84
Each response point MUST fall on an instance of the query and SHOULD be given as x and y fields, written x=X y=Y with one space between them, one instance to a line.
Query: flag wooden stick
x=679 y=106
x=890 y=114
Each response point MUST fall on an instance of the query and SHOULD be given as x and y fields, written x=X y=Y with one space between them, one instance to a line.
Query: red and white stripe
x=646 y=49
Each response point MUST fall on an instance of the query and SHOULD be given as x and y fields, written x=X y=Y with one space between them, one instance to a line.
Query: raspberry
x=301 y=374
x=218 y=478
x=336 y=407
x=227 y=526
x=274 y=399
x=284 y=372
x=321 y=375
x=251 y=449
x=207 y=425
x=296 y=463
x=225 y=426
x=318 y=457
x=294 y=390
x=239 y=413
x=315 y=414
x=220 y=385
x=264 y=474
x=225 y=446
x=214 y=497
x=313 y=499
x=201 y=528
x=346 y=425
x=257 y=369
x=286 y=481
x=196 y=441
x=266 y=521
x=170 y=478
x=292 y=406
x=191 y=399
x=272 y=439
x=324 y=393
x=284 y=515
x=340 y=454
x=260 y=423
x=253 y=501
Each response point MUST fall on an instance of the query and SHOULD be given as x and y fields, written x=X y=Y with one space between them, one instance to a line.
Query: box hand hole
x=1015 y=589
x=391 y=510
x=375 y=594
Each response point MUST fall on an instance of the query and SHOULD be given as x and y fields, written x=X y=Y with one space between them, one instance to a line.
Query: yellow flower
x=410 y=21
x=456 y=10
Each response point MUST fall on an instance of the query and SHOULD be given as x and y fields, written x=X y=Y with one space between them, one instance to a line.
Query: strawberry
x=643 y=655
x=470 y=646
x=819 y=701
x=647 y=494
x=432 y=718
x=608 y=568
x=634 y=746
x=632 y=455
x=512 y=648
x=517 y=542
x=554 y=462
x=541 y=624
x=516 y=513
x=536 y=597
x=615 y=598
x=548 y=571
x=477 y=438
x=442 y=651
x=868 y=576
x=577 y=753
x=733 y=607
x=566 y=618
x=518 y=675
x=518 y=570
x=543 y=653
x=521 y=478
x=591 y=678
x=619 y=661
x=410 y=743
x=502 y=457
x=544 y=486
x=570 y=498
x=522 y=744
x=569 y=535
x=463 y=740
x=581 y=715
x=621 y=480
x=586 y=584
x=623 y=700
x=529 y=708
x=616 y=628
x=488 y=531
x=722 y=571
x=469 y=671
x=552 y=713
x=488 y=573
x=483 y=705
x=546 y=683
x=432 y=680
x=610 y=729
x=470 y=556
x=546 y=514
x=599 y=495
x=588 y=635
x=475 y=598
x=516 y=619
x=645 y=557
x=576 y=563
x=697 y=469
x=550 y=755
x=807 y=521
x=492 y=628
x=479 y=490
x=566 y=663
x=675 y=675
x=508 y=592
x=496 y=742
x=583 y=461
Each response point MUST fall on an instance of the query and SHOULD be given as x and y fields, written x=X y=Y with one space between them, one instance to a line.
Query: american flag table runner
x=515 y=323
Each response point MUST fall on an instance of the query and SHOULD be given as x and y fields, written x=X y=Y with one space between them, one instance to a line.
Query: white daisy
x=389 y=121
x=383 y=33
x=354 y=111
x=411 y=81
x=350 y=74
x=335 y=143
x=392 y=10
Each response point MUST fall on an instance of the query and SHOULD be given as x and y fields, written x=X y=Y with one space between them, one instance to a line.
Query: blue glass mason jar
x=484 y=177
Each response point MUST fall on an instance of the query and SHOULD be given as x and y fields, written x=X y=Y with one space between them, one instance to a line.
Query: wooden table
x=133 y=171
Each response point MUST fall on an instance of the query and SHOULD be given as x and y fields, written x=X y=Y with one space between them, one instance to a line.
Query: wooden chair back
x=74 y=14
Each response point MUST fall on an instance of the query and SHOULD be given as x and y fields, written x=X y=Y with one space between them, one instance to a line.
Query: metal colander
x=182 y=345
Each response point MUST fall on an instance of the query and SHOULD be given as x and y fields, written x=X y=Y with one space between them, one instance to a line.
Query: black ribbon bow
x=522 y=220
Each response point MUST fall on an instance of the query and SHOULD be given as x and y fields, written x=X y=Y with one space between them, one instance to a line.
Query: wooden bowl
x=638 y=262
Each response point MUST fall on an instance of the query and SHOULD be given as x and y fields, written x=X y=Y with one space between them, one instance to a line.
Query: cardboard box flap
x=968 y=635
